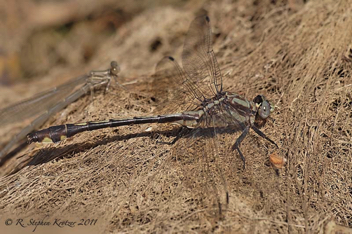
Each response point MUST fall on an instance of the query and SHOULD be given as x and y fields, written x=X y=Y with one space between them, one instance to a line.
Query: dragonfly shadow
x=11 y=154
x=46 y=155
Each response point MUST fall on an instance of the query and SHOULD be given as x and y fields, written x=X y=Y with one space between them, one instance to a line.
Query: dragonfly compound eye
x=264 y=109
x=115 y=68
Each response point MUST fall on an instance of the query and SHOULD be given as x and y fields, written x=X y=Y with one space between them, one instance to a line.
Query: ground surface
x=296 y=53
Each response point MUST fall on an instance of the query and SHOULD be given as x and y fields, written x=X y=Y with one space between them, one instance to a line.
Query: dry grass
x=293 y=53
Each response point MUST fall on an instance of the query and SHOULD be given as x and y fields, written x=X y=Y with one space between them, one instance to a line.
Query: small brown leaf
x=277 y=161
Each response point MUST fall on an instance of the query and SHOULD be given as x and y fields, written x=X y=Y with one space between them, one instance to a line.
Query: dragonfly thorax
x=227 y=110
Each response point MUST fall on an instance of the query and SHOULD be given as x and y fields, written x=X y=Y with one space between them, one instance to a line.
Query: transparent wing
x=199 y=155
x=169 y=67
x=198 y=59
x=172 y=85
x=39 y=103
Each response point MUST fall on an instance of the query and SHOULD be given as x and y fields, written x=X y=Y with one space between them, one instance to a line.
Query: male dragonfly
x=216 y=109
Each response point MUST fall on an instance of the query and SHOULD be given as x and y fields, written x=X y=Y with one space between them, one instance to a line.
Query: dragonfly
x=223 y=109
x=47 y=103
x=214 y=109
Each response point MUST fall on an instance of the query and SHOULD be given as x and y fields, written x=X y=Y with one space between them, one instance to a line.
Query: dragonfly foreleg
x=237 y=145
x=260 y=133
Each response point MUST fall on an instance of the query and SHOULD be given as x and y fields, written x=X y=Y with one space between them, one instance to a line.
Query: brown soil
x=296 y=53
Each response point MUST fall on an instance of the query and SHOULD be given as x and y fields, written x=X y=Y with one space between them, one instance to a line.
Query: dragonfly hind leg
x=237 y=145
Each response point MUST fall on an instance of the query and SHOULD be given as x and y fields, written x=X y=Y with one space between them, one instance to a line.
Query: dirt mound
x=296 y=53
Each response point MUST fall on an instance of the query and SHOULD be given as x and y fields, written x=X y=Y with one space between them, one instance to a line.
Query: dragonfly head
x=115 y=68
x=264 y=107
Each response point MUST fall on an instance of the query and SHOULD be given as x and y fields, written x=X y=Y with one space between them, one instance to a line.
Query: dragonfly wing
x=195 y=155
x=198 y=57
x=39 y=103
x=171 y=83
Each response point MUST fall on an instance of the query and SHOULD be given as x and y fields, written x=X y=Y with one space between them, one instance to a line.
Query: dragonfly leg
x=91 y=91
x=260 y=133
x=237 y=145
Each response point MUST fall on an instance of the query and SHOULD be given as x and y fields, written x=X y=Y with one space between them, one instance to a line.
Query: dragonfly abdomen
x=61 y=132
